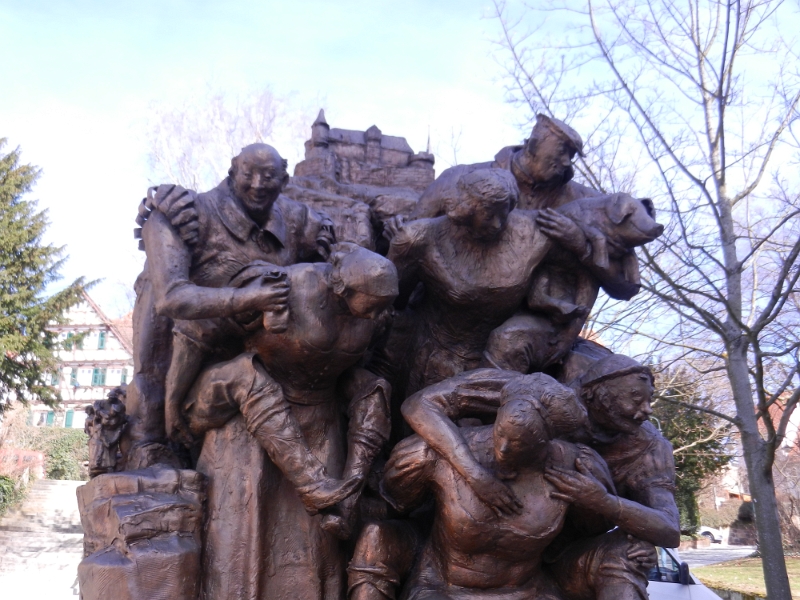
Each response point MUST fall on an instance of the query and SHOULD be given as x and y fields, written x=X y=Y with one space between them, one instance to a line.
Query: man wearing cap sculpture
x=571 y=274
x=542 y=166
x=616 y=391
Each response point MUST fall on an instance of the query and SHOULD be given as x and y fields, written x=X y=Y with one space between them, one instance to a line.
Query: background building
x=96 y=355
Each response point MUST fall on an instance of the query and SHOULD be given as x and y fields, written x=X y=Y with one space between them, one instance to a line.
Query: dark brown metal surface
x=311 y=419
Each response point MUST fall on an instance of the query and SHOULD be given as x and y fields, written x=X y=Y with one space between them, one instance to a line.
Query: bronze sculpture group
x=423 y=422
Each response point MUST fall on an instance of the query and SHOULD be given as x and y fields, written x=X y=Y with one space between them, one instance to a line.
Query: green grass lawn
x=746 y=576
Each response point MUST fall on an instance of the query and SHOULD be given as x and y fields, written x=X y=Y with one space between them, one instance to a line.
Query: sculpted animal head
x=615 y=224
x=633 y=220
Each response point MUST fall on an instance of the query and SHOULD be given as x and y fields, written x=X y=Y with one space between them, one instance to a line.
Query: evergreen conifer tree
x=27 y=267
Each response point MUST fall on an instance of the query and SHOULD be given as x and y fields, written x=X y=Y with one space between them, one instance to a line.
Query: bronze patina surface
x=365 y=383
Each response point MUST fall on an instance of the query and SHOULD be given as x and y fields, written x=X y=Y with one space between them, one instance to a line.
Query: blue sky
x=80 y=77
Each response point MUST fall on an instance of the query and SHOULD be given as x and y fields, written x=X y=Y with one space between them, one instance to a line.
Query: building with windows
x=96 y=355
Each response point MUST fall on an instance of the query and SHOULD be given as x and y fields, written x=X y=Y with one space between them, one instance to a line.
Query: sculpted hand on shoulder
x=579 y=487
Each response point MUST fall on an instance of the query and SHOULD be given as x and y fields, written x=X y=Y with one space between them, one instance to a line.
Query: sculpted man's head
x=257 y=177
x=617 y=391
x=366 y=281
x=534 y=410
x=484 y=200
x=547 y=156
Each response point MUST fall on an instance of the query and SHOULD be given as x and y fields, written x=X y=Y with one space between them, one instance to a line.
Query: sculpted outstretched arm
x=657 y=524
x=368 y=432
x=649 y=512
x=432 y=413
x=178 y=298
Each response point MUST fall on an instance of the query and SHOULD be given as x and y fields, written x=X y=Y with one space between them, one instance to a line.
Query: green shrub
x=747 y=513
x=65 y=453
x=65 y=450
x=10 y=493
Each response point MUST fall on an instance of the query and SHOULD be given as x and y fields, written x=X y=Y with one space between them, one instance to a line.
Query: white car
x=715 y=535
x=671 y=580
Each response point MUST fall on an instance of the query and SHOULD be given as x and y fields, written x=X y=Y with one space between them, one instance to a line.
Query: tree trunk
x=759 y=474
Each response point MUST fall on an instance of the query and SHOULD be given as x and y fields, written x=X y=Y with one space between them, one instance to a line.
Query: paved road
x=45 y=585
x=41 y=544
x=715 y=554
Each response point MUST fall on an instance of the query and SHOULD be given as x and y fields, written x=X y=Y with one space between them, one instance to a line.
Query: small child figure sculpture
x=105 y=422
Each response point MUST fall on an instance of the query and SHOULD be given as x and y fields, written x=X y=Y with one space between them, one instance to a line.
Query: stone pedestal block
x=162 y=568
x=142 y=537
